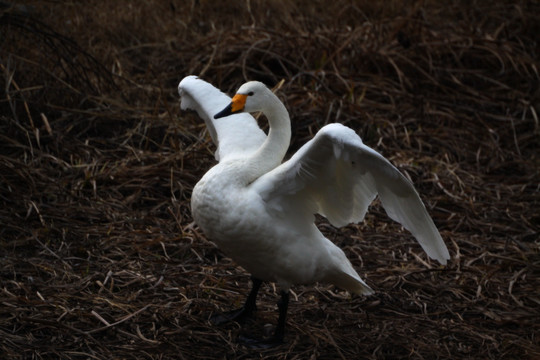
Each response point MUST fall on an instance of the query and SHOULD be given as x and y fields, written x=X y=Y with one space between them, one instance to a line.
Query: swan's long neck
x=272 y=151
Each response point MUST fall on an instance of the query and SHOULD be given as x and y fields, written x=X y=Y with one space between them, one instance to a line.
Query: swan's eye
x=250 y=93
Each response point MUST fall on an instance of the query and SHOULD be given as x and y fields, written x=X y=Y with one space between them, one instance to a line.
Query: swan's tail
x=352 y=284
x=341 y=273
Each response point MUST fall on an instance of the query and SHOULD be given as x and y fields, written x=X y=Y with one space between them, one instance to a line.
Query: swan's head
x=250 y=97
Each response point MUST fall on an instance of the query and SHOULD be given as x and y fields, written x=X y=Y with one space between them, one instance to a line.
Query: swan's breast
x=227 y=211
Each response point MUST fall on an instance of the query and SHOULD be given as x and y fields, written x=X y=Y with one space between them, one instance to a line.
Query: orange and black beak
x=237 y=105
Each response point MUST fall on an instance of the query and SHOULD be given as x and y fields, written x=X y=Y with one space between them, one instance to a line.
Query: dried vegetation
x=99 y=256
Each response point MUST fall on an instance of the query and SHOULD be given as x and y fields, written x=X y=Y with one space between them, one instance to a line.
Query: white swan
x=260 y=211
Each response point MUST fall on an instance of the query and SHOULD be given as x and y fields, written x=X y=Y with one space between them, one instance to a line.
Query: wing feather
x=207 y=100
x=337 y=176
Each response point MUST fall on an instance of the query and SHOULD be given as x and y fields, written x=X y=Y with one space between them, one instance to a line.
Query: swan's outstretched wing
x=337 y=176
x=235 y=135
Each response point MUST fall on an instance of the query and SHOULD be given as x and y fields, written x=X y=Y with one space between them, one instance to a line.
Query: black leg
x=283 y=305
x=246 y=311
x=250 y=305
x=279 y=333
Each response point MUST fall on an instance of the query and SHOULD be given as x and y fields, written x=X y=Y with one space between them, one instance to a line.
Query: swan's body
x=277 y=247
x=260 y=211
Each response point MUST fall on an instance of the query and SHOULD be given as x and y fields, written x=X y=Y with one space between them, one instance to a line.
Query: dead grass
x=99 y=256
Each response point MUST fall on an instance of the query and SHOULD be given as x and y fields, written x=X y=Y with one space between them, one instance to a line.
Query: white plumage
x=260 y=211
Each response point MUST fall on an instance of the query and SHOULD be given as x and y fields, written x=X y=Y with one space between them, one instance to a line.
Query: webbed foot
x=260 y=343
x=239 y=315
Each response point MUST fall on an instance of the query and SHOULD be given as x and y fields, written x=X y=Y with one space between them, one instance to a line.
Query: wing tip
x=183 y=84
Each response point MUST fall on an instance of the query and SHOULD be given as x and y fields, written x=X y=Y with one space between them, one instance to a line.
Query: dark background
x=99 y=258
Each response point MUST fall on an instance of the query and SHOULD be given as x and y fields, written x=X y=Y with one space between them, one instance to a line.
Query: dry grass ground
x=99 y=256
